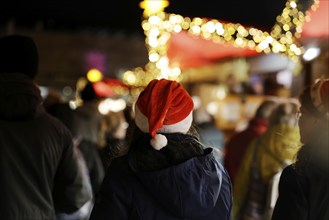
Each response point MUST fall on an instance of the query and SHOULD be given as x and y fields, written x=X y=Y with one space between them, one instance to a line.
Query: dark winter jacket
x=304 y=186
x=40 y=173
x=302 y=196
x=198 y=188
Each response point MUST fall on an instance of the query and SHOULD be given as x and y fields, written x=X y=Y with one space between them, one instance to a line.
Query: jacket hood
x=190 y=189
x=19 y=97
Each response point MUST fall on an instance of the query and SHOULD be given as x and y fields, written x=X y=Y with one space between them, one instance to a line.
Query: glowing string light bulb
x=94 y=75
x=158 y=25
x=152 y=7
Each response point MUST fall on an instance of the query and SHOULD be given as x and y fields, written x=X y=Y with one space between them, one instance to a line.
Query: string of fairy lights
x=158 y=26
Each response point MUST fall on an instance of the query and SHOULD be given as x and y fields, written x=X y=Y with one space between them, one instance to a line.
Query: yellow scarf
x=279 y=144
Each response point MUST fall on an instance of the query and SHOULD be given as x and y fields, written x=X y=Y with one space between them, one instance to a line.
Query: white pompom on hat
x=320 y=96
x=164 y=106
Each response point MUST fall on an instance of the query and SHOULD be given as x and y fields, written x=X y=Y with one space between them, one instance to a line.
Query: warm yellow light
x=185 y=25
x=219 y=29
x=211 y=27
x=153 y=57
x=94 y=75
x=263 y=45
x=293 y=4
x=154 y=20
x=269 y=39
x=251 y=44
x=175 y=72
x=177 y=28
x=159 y=25
x=114 y=105
x=162 y=63
x=129 y=77
x=298 y=51
x=197 y=21
x=239 y=41
x=196 y=30
x=221 y=93
x=152 y=7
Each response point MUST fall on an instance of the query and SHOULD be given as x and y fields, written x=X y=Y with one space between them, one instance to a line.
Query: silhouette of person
x=40 y=171
x=167 y=173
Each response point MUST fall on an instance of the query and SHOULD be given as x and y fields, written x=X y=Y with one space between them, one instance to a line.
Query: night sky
x=125 y=15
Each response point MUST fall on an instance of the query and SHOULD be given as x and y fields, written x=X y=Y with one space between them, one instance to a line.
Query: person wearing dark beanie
x=18 y=54
x=41 y=173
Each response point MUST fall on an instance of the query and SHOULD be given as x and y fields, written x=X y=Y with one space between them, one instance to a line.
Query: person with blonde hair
x=112 y=141
x=236 y=146
x=265 y=157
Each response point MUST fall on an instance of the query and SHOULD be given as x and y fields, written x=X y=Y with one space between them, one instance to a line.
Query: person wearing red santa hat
x=304 y=186
x=167 y=173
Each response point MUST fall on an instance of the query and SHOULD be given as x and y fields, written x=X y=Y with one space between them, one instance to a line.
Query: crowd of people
x=165 y=161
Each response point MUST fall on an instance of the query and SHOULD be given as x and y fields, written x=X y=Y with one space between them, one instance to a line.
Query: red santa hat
x=165 y=107
x=320 y=96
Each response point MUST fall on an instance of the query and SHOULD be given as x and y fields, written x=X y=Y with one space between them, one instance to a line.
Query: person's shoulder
x=293 y=177
x=49 y=122
x=119 y=167
x=119 y=172
x=289 y=172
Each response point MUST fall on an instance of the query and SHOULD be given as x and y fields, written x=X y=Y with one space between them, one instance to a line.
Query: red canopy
x=108 y=87
x=318 y=27
x=191 y=52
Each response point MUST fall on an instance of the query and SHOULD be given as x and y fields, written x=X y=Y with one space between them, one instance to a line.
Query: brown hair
x=316 y=150
x=180 y=148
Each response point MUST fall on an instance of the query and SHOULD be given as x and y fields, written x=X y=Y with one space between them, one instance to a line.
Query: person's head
x=18 y=54
x=88 y=93
x=314 y=110
x=201 y=115
x=163 y=107
x=116 y=125
x=314 y=126
x=265 y=109
x=285 y=114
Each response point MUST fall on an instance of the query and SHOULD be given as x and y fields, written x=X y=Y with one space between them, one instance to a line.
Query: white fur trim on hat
x=159 y=141
x=180 y=127
x=141 y=120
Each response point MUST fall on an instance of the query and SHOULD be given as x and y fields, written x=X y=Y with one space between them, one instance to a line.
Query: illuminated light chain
x=288 y=28
x=158 y=25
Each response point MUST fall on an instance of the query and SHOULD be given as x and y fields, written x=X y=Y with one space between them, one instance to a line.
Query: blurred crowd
x=160 y=158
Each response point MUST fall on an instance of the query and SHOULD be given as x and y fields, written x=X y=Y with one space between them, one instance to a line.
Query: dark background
x=66 y=31
x=126 y=16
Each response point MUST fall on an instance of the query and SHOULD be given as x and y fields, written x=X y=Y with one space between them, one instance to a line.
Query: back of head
x=165 y=135
x=164 y=106
x=201 y=115
x=315 y=99
x=265 y=109
x=114 y=122
x=88 y=93
x=315 y=104
x=285 y=113
x=18 y=54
